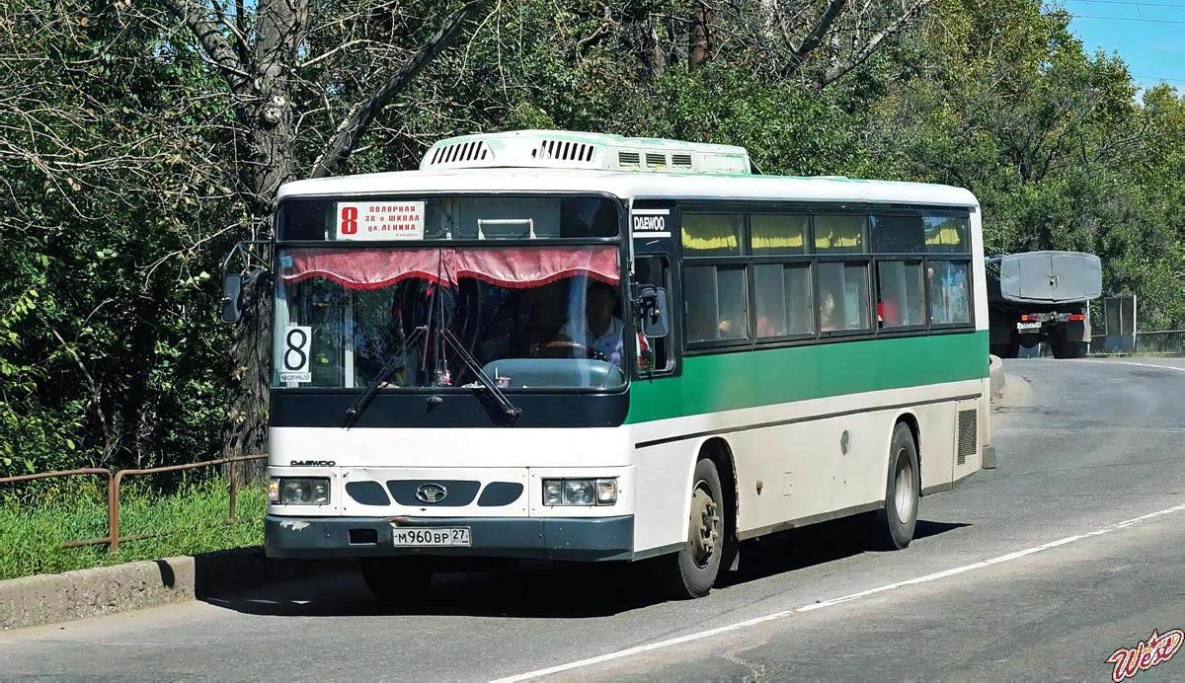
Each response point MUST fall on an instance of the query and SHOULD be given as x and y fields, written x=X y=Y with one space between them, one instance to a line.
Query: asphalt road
x=1032 y=571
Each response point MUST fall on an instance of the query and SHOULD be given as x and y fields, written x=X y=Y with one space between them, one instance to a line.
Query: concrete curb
x=55 y=598
x=996 y=375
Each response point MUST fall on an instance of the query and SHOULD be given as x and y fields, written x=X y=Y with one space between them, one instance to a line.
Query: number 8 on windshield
x=297 y=345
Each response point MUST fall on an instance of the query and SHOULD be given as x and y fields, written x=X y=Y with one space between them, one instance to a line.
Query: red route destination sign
x=374 y=221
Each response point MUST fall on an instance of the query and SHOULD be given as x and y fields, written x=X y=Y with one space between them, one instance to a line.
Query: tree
x=109 y=201
x=279 y=61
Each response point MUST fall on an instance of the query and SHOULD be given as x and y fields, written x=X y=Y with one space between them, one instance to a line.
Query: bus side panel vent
x=629 y=159
x=656 y=160
x=681 y=160
x=968 y=435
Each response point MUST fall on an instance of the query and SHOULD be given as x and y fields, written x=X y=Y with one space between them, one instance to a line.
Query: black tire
x=1028 y=346
x=692 y=571
x=893 y=525
x=392 y=580
x=1067 y=349
x=1013 y=348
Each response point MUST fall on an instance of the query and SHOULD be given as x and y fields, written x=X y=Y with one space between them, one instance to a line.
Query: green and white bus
x=573 y=346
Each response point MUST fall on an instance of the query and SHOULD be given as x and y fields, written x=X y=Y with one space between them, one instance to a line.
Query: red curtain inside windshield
x=508 y=267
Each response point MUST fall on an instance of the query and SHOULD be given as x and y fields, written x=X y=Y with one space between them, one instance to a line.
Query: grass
x=192 y=519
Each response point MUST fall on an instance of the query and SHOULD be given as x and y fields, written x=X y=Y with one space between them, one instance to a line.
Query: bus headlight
x=579 y=492
x=298 y=491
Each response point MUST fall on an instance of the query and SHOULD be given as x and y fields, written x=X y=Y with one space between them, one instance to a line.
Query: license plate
x=432 y=537
x=1029 y=326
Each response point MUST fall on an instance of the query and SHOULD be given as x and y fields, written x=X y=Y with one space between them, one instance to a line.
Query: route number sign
x=294 y=356
x=385 y=220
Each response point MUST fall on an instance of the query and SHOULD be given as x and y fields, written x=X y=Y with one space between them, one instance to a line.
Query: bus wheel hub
x=704 y=539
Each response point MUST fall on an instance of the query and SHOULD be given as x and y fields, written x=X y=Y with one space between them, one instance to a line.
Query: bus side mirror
x=252 y=262
x=232 y=292
x=654 y=312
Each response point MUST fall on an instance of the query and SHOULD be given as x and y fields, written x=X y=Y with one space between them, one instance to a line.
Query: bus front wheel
x=893 y=525
x=396 y=579
x=692 y=571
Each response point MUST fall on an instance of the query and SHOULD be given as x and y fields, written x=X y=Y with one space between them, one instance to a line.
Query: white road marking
x=671 y=642
x=1126 y=362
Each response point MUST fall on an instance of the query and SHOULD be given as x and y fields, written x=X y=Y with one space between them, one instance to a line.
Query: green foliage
x=122 y=182
x=191 y=519
x=110 y=216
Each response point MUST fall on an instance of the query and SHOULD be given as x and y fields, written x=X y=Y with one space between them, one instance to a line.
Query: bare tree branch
x=814 y=39
x=837 y=71
x=362 y=114
x=215 y=45
x=592 y=40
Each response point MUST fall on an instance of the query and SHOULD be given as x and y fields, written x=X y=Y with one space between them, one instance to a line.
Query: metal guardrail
x=1161 y=341
x=115 y=480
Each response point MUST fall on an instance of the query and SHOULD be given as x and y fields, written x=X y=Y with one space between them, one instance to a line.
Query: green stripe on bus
x=749 y=379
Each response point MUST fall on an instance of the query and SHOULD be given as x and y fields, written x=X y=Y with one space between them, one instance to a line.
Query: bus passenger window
x=707 y=234
x=733 y=320
x=946 y=234
x=840 y=234
x=843 y=297
x=716 y=303
x=784 y=302
x=946 y=284
x=899 y=294
x=777 y=234
x=770 y=300
x=897 y=234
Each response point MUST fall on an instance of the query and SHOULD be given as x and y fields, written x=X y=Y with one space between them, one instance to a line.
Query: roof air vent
x=559 y=150
x=629 y=159
x=656 y=160
x=474 y=150
x=681 y=160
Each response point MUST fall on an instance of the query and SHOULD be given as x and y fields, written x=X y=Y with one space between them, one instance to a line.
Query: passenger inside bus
x=828 y=320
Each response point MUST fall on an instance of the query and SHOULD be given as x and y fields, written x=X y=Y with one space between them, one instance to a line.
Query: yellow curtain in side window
x=711 y=233
x=948 y=235
x=839 y=232
x=777 y=233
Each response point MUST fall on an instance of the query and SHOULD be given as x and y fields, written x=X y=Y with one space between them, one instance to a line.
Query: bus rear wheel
x=893 y=525
x=396 y=579
x=692 y=571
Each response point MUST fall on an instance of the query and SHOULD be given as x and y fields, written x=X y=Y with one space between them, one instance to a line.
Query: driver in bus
x=601 y=330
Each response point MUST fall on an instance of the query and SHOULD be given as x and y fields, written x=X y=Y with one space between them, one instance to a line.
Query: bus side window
x=656 y=270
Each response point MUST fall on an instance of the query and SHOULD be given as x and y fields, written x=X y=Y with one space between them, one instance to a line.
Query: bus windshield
x=532 y=317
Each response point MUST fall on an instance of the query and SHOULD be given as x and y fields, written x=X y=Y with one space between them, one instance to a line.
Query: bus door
x=654 y=231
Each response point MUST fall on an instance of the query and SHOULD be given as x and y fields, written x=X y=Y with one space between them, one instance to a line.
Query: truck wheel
x=1013 y=348
x=396 y=580
x=893 y=525
x=692 y=571
x=1069 y=349
x=1028 y=346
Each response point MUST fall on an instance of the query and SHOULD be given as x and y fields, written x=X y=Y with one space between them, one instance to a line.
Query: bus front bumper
x=583 y=539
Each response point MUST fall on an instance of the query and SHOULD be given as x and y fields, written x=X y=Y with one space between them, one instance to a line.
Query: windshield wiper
x=511 y=411
x=397 y=360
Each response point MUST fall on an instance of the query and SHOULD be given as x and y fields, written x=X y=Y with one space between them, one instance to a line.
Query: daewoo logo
x=1159 y=648
x=431 y=493
x=312 y=463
